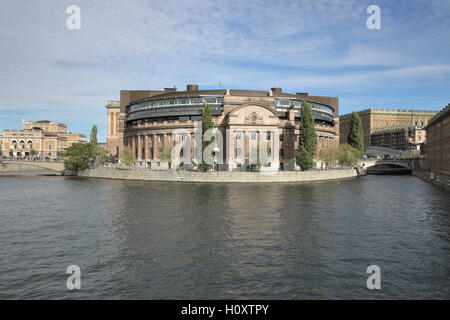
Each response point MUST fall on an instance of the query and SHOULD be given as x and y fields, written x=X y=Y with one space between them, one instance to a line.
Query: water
x=150 y=240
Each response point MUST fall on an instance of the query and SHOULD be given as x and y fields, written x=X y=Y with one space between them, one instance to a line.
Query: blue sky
x=322 y=47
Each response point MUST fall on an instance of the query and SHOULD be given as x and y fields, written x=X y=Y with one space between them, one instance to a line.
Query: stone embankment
x=16 y=167
x=131 y=173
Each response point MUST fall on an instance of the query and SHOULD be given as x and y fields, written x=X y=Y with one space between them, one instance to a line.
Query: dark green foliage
x=93 y=142
x=77 y=157
x=306 y=151
x=304 y=159
x=207 y=124
x=355 y=136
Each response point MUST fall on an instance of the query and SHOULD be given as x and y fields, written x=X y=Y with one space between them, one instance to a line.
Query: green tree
x=263 y=159
x=32 y=153
x=166 y=152
x=355 y=136
x=306 y=151
x=102 y=155
x=207 y=124
x=76 y=157
x=329 y=156
x=127 y=156
x=11 y=153
x=93 y=144
x=347 y=155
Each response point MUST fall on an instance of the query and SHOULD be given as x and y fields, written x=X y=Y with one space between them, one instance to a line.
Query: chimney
x=276 y=91
x=291 y=114
x=191 y=87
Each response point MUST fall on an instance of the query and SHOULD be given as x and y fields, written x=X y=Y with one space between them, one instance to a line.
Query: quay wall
x=217 y=176
x=421 y=169
x=16 y=167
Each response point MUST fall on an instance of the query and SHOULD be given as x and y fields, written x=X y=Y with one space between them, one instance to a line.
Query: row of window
x=238 y=135
x=318 y=115
x=379 y=123
x=238 y=152
x=172 y=109
x=161 y=119
x=155 y=104
x=298 y=104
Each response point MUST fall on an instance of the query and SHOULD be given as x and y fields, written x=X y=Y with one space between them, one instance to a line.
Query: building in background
x=376 y=121
x=145 y=121
x=46 y=138
x=112 y=137
x=438 y=143
x=406 y=138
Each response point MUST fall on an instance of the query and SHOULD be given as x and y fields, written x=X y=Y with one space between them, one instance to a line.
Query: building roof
x=385 y=110
x=438 y=115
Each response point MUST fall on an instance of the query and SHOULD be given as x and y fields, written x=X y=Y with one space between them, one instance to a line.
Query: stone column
x=133 y=144
x=275 y=146
x=156 y=146
x=146 y=146
x=114 y=117
x=139 y=145
x=230 y=149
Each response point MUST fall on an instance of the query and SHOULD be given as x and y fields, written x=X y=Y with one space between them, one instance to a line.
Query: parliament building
x=145 y=121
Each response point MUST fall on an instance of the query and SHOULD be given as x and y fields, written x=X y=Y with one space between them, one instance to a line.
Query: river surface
x=152 y=240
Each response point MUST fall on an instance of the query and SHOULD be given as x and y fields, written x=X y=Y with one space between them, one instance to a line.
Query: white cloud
x=249 y=44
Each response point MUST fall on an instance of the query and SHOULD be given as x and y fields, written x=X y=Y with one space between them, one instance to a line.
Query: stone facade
x=47 y=138
x=112 y=143
x=438 y=142
x=378 y=120
x=146 y=120
x=116 y=172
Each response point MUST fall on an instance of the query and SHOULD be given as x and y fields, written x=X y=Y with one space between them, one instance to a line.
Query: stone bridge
x=18 y=165
x=387 y=166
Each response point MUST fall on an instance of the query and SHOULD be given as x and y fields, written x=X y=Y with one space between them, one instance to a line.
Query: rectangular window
x=253 y=134
x=268 y=135
x=281 y=137
x=238 y=152
x=238 y=135
x=281 y=153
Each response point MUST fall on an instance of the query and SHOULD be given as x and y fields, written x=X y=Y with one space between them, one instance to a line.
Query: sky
x=324 y=47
